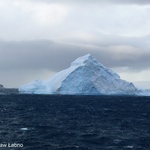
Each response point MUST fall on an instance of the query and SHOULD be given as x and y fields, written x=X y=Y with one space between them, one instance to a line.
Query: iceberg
x=85 y=76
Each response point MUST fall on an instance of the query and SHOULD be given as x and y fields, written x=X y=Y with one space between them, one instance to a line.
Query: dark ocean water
x=44 y=122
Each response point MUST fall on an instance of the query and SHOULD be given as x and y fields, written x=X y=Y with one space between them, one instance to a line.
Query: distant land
x=4 y=91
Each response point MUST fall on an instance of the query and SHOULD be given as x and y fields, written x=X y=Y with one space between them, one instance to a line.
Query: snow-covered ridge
x=85 y=76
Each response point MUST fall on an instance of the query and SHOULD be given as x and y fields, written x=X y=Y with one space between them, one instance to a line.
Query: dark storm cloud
x=44 y=54
x=36 y=55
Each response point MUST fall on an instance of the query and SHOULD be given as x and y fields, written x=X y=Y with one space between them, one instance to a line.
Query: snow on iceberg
x=85 y=76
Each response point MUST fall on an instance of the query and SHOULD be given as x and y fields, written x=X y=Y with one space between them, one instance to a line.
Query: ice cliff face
x=85 y=76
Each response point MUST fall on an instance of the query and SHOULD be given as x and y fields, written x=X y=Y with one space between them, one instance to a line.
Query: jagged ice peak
x=90 y=61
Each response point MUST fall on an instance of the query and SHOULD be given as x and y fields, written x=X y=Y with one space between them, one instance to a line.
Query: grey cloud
x=143 y=2
x=26 y=21
x=54 y=56
x=129 y=1
x=36 y=55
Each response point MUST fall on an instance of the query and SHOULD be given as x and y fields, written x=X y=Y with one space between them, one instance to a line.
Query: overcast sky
x=41 y=37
